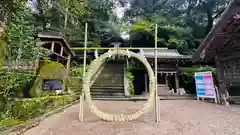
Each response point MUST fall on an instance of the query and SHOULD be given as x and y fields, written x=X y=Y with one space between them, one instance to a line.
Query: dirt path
x=178 y=117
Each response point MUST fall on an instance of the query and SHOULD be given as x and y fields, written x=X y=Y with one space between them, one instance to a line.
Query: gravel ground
x=178 y=117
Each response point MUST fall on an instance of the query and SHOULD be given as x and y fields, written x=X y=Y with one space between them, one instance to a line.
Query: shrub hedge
x=187 y=79
x=25 y=109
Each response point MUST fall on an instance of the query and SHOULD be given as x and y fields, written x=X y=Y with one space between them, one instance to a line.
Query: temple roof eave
x=63 y=40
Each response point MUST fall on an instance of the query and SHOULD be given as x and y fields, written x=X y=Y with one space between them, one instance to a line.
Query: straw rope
x=94 y=67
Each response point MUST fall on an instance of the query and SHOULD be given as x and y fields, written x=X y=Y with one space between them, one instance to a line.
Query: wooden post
x=221 y=82
x=52 y=46
x=177 y=82
x=84 y=70
x=96 y=54
x=217 y=92
x=156 y=86
x=166 y=79
x=145 y=81
x=68 y=64
x=36 y=64
x=61 y=52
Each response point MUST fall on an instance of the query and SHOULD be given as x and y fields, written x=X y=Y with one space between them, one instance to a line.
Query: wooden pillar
x=36 y=64
x=146 y=84
x=221 y=82
x=96 y=54
x=68 y=64
x=176 y=82
x=61 y=52
x=166 y=79
x=52 y=46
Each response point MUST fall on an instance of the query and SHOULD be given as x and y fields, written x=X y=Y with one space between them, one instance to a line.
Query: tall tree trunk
x=209 y=7
x=5 y=16
x=210 y=20
x=6 y=7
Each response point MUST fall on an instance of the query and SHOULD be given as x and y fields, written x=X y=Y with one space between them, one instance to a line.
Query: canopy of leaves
x=70 y=17
x=196 y=17
x=172 y=33
x=21 y=36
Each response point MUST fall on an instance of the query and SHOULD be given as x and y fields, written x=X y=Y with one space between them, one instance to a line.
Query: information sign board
x=204 y=85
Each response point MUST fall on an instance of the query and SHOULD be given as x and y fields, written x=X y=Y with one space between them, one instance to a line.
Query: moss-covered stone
x=48 y=70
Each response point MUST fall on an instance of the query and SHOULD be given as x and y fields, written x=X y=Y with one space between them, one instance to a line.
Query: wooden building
x=222 y=46
x=169 y=61
x=113 y=82
x=58 y=46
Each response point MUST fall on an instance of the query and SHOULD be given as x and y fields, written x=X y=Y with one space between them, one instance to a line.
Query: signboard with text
x=204 y=85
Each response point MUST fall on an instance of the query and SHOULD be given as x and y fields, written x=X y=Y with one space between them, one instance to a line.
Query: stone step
x=107 y=89
x=140 y=98
x=106 y=94
x=110 y=81
x=108 y=86
x=164 y=90
x=235 y=99
x=100 y=97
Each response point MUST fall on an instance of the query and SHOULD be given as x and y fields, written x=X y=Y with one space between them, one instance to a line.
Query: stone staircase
x=163 y=90
x=234 y=99
x=110 y=82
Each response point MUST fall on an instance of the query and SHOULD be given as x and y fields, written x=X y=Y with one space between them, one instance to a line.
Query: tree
x=171 y=33
x=22 y=30
x=5 y=15
x=199 y=15
x=70 y=17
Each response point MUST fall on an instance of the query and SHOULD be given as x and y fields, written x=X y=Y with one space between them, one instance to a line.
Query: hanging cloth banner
x=204 y=85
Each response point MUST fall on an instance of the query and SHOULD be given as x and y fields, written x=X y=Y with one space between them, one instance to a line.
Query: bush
x=77 y=71
x=75 y=85
x=75 y=80
x=2 y=51
x=13 y=83
x=25 y=109
x=187 y=80
x=130 y=78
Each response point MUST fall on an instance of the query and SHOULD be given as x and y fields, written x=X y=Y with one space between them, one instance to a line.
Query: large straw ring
x=94 y=67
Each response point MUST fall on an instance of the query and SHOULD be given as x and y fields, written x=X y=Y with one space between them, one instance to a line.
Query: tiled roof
x=168 y=53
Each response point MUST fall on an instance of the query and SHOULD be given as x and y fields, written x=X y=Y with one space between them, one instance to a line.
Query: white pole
x=84 y=70
x=156 y=87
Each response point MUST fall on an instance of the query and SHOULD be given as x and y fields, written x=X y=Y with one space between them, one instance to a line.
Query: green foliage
x=187 y=80
x=77 y=70
x=171 y=33
x=182 y=24
x=75 y=80
x=24 y=109
x=75 y=85
x=9 y=122
x=130 y=78
x=48 y=70
x=2 y=51
x=190 y=71
x=21 y=35
x=70 y=16
x=12 y=83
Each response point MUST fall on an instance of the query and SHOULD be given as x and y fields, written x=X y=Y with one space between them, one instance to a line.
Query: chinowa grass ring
x=94 y=67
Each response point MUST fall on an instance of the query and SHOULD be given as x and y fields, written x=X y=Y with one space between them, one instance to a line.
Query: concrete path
x=178 y=117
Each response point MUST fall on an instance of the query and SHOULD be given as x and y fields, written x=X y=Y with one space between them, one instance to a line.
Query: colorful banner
x=204 y=85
